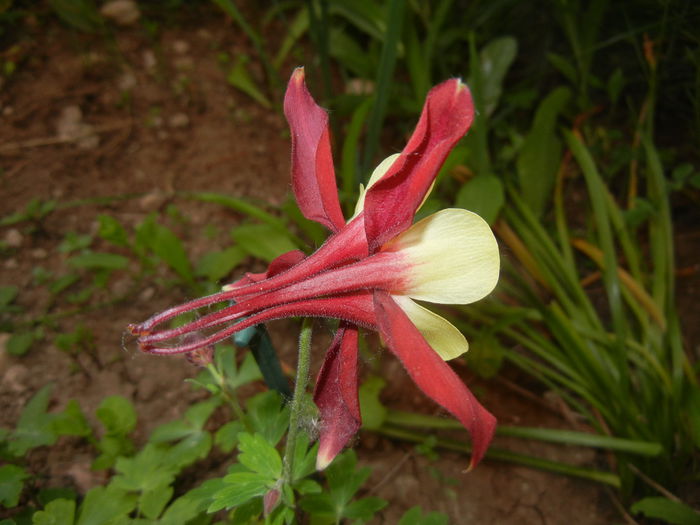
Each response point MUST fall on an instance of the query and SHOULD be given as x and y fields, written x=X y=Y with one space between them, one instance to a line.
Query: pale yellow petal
x=440 y=334
x=452 y=257
x=377 y=174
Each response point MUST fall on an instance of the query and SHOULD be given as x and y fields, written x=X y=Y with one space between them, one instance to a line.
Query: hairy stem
x=297 y=404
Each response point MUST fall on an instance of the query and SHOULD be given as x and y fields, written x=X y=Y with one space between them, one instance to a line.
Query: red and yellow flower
x=370 y=272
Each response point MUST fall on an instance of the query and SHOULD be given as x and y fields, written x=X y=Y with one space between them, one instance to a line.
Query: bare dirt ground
x=155 y=116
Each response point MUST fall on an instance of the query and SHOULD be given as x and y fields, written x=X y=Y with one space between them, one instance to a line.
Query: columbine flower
x=369 y=271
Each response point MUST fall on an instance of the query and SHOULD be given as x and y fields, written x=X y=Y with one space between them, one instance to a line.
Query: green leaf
x=57 y=512
x=240 y=78
x=19 y=344
x=105 y=505
x=117 y=414
x=240 y=487
x=152 y=503
x=344 y=481
x=318 y=504
x=259 y=456
x=112 y=231
x=99 y=260
x=268 y=417
x=247 y=373
x=217 y=265
x=11 y=483
x=7 y=295
x=74 y=242
x=692 y=404
x=373 y=412
x=63 y=282
x=540 y=154
x=169 y=248
x=79 y=14
x=262 y=241
x=495 y=59
x=565 y=68
x=667 y=510
x=482 y=195
x=364 y=509
x=414 y=516
x=35 y=426
x=148 y=470
x=226 y=438
x=72 y=421
x=304 y=457
x=191 y=504
x=190 y=449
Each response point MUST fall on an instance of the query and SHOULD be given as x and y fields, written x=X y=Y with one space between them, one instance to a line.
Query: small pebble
x=181 y=47
x=14 y=238
x=179 y=120
x=39 y=253
x=121 y=12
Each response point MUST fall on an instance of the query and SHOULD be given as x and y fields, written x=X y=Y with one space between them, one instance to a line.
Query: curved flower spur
x=369 y=271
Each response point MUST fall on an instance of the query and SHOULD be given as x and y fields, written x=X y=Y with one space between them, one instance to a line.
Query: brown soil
x=163 y=120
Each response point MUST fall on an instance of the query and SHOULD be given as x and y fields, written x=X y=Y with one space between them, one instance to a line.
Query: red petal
x=313 y=176
x=356 y=308
x=336 y=395
x=280 y=264
x=391 y=203
x=432 y=374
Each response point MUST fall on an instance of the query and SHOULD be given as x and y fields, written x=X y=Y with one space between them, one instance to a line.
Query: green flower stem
x=230 y=396
x=297 y=404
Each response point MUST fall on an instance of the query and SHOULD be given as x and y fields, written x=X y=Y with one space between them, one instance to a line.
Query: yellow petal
x=377 y=174
x=440 y=334
x=452 y=257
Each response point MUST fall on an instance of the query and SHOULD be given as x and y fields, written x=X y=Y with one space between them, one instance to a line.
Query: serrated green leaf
x=105 y=505
x=364 y=509
x=192 y=448
x=308 y=486
x=343 y=479
x=191 y=504
x=34 y=428
x=247 y=373
x=482 y=195
x=152 y=502
x=268 y=417
x=259 y=456
x=57 y=512
x=304 y=457
x=226 y=438
x=99 y=260
x=148 y=470
x=318 y=504
x=117 y=414
x=240 y=487
x=667 y=510
x=262 y=241
x=11 y=483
